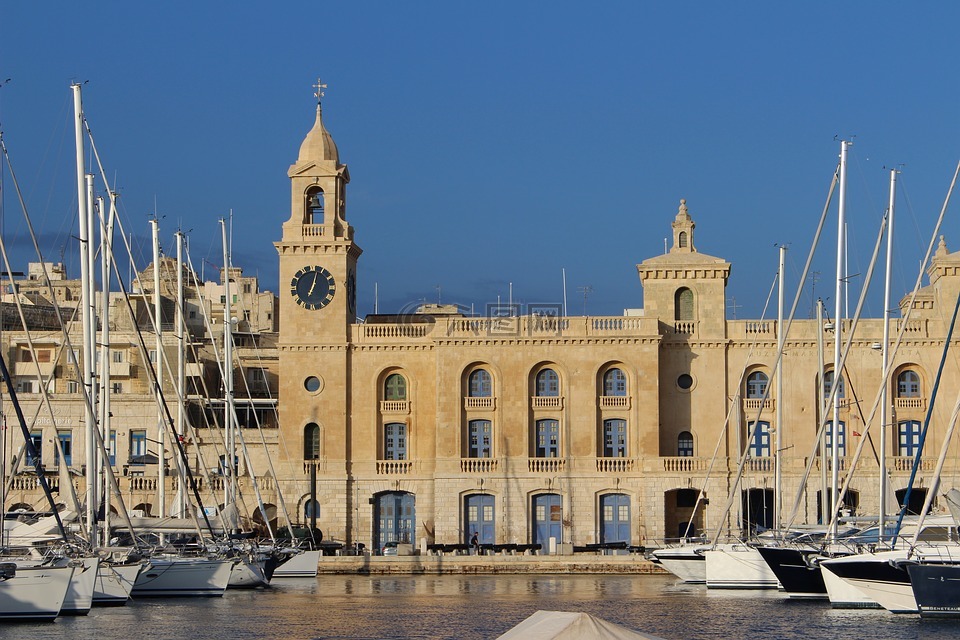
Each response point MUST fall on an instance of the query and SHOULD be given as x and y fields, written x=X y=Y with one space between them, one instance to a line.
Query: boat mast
x=779 y=440
x=885 y=358
x=838 y=315
x=228 y=467
x=106 y=252
x=821 y=410
x=158 y=367
x=181 y=345
x=83 y=233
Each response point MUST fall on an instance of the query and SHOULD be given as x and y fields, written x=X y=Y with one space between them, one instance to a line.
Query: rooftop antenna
x=376 y=298
x=438 y=296
x=733 y=306
x=586 y=291
x=564 y=272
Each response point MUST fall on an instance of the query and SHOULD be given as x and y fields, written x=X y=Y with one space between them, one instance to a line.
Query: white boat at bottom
x=33 y=593
x=686 y=561
x=115 y=582
x=738 y=566
x=79 y=598
x=303 y=564
x=180 y=576
x=249 y=573
x=843 y=594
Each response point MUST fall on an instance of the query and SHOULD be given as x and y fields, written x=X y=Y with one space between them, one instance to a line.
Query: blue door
x=395 y=518
x=479 y=512
x=547 y=519
x=615 y=513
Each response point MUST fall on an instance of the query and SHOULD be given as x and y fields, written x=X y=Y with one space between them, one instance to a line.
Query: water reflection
x=478 y=607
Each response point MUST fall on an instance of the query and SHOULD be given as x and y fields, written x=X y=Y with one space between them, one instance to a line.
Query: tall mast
x=158 y=367
x=821 y=410
x=83 y=232
x=227 y=371
x=884 y=409
x=181 y=346
x=106 y=255
x=837 y=339
x=779 y=440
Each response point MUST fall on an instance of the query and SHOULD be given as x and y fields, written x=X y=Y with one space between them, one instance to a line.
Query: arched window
x=614 y=383
x=685 y=444
x=395 y=387
x=828 y=385
x=683 y=240
x=757 y=384
x=311 y=509
x=480 y=384
x=548 y=383
x=683 y=301
x=908 y=385
x=311 y=441
x=314 y=213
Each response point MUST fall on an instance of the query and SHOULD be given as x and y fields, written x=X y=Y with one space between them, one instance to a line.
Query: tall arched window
x=614 y=383
x=757 y=384
x=683 y=301
x=314 y=213
x=548 y=383
x=480 y=384
x=908 y=385
x=683 y=240
x=395 y=388
x=311 y=509
x=311 y=441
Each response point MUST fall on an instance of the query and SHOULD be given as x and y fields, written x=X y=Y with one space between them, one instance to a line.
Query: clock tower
x=317 y=289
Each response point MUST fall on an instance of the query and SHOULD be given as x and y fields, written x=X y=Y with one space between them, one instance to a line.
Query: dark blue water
x=475 y=607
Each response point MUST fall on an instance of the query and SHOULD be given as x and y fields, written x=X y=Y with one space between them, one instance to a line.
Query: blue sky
x=497 y=142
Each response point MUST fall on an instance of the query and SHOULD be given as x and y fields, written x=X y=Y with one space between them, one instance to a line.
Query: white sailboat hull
x=183 y=577
x=844 y=595
x=738 y=566
x=687 y=563
x=302 y=565
x=79 y=597
x=114 y=583
x=248 y=574
x=34 y=593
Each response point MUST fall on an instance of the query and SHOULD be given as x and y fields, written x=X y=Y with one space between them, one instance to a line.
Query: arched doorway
x=615 y=517
x=479 y=512
x=918 y=496
x=678 y=508
x=547 y=519
x=395 y=518
x=851 y=500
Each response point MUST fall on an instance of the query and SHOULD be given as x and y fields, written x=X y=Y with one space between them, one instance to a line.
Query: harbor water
x=477 y=607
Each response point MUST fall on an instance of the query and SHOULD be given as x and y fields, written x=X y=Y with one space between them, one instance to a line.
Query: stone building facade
x=535 y=428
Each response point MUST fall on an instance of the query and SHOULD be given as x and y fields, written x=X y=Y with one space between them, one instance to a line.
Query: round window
x=685 y=381
x=313 y=384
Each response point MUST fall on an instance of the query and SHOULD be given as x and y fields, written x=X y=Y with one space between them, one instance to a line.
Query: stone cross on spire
x=318 y=94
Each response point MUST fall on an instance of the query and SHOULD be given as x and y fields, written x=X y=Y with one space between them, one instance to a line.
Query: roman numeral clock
x=313 y=287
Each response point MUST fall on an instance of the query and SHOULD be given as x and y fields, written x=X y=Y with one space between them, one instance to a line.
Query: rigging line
x=734 y=406
x=904 y=322
x=786 y=332
x=208 y=327
x=53 y=299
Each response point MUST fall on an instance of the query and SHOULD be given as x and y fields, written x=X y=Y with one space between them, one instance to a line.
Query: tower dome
x=319 y=144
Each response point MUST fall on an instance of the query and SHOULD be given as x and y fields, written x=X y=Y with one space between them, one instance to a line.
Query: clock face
x=313 y=287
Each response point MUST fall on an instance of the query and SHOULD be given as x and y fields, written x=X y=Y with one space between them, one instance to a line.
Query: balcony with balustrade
x=487 y=403
x=395 y=407
x=479 y=465
x=546 y=402
x=546 y=465
x=615 y=403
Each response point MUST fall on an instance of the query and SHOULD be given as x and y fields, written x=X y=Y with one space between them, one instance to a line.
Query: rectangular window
x=43 y=355
x=66 y=444
x=908 y=437
x=841 y=439
x=138 y=446
x=548 y=439
x=153 y=356
x=112 y=450
x=246 y=287
x=36 y=439
x=117 y=356
x=615 y=438
x=480 y=439
x=116 y=388
x=760 y=444
x=73 y=386
x=26 y=355
x=395 y=442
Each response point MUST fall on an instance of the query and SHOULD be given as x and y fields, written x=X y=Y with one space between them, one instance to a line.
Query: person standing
x=475 y=543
